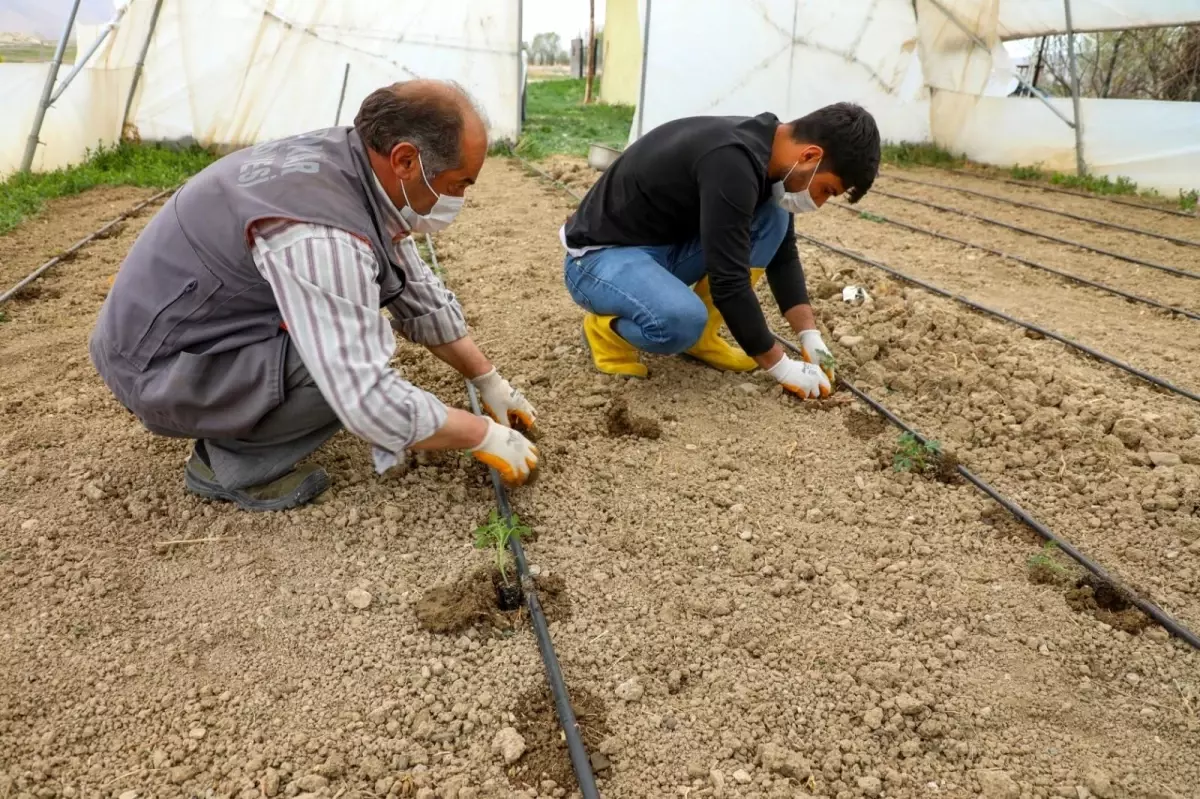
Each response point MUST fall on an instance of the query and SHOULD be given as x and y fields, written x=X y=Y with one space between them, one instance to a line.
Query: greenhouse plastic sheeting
x=785 y=56
x=1161 y=151
x=237 y=72
x=1022 y=18
x=81 y=119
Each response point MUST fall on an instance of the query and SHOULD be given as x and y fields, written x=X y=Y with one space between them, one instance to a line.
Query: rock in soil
x=509 y=744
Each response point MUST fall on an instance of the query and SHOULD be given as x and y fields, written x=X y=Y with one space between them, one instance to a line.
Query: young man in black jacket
x=672 y=238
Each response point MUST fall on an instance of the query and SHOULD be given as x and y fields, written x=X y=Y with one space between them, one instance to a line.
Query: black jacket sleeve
x=785 y=274
x=728 y=195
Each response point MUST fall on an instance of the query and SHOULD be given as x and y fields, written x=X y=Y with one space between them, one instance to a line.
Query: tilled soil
x=759 y=603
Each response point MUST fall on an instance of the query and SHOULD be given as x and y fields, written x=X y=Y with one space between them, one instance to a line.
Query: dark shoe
x=300 y=485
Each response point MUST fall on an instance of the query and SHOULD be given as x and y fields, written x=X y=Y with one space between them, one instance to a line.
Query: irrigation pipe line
x=1025 y=262
x=1168 y=622
x=1149 y=608
x=74 y=248
x=1021 y=204
x=935 y=289
x=981 y=218
x=580 y=762
x=1057 y=190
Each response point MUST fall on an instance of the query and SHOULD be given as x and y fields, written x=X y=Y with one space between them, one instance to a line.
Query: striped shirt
x=324 y=280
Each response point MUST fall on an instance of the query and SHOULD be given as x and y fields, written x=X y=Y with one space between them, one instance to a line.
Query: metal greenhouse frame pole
x=520 y=82
x=81 y=61
x=48 y=89
x=141 y=63
x=641 y=108
x=1080 y=164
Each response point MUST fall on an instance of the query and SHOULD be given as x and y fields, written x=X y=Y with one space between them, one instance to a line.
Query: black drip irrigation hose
x=916 y=281
x=1169 y=623
x=1034 y=206
x=1057 y=190
x=580 y=762
x=74 y=248
x=1024 y=262
x=1028 y=232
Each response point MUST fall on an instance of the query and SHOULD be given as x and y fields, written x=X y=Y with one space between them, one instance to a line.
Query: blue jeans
x=649 y=290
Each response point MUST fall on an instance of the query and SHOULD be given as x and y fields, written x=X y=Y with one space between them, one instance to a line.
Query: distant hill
x=45 y=18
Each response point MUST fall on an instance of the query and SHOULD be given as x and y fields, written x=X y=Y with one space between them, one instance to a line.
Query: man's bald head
x=434 y=119
x=434 y=116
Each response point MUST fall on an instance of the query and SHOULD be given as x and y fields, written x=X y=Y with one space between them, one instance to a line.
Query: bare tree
x=1150 y=64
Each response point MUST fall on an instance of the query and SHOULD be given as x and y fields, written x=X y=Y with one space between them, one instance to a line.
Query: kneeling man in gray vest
x=247 y=314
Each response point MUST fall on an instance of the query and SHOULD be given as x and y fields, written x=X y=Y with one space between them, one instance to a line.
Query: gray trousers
x=281 y=439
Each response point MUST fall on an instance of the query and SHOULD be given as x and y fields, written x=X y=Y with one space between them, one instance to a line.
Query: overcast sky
x=567 y=18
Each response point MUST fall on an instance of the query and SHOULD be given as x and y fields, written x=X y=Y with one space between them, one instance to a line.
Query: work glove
x=813 y=350
x=504 y=403
x=508 y=452
x=804 y=380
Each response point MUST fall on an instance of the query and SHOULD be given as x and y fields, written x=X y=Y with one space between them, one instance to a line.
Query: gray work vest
x=190 y=337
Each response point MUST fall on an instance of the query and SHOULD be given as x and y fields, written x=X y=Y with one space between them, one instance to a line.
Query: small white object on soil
x=1164 y=458
x=128 y=795
x=358 y=598
x=996 y=784
x=873 y=718
x=741 y=776
x=509 y=744
x=196 y=732
x=631 y=690
x=908 y=705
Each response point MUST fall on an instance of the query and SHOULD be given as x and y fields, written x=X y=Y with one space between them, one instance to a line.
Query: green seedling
x=914 y=455
x=496 y=534
x=1188 y=199
x=870 y=217
x=829 y=363
x=1044 y=559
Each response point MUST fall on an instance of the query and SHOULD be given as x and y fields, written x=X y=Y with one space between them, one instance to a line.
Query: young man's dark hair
x=850 y=139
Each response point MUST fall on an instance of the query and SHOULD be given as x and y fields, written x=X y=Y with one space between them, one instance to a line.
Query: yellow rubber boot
x=711 y=348
x=612 y=354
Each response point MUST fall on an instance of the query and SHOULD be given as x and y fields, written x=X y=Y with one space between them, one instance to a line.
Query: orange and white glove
x=504 y=403
x=508 y=452
x=813 y=350
x=804 y=380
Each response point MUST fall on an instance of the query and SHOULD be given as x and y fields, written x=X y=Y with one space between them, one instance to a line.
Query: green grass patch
x=908 y=153
x=124 y=164
x=558 y=123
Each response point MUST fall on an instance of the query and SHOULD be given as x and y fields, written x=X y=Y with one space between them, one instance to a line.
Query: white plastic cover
x=236 y=72
x=1021 y=18
x=785 y=56
x=920 y=74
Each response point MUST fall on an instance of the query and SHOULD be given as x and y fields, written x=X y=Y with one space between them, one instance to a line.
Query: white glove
x=813 y=350
x=504 y=403
x=508 y=452
x=802 y=379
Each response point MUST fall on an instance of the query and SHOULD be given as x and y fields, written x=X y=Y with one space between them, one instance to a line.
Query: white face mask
x=443 y=212
x=796 y=202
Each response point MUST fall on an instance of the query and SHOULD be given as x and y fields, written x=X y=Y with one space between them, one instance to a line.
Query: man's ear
x=811 y=154
x=403 y=160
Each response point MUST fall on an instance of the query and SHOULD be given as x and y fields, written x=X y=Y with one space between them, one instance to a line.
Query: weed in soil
x=453 y=607
x=1106 y=603
x=1043 y=569
x=546 y=755
x=623 y=423
x=925 y=458
x=863 y=425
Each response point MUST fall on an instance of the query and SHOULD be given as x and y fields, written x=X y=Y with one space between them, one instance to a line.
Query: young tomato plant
x=913 y=455
x=495 y=535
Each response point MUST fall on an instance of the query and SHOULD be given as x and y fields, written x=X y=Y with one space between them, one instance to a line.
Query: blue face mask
x=796 y=202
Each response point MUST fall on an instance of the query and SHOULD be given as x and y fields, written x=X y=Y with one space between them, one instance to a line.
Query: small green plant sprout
x=1044 y=558
x=913 y=455
x=829 y=363
x=870 y=217
x=496 y=534
x=1188 y=199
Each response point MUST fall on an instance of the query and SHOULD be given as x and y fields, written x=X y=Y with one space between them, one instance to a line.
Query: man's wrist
x=771 y=357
